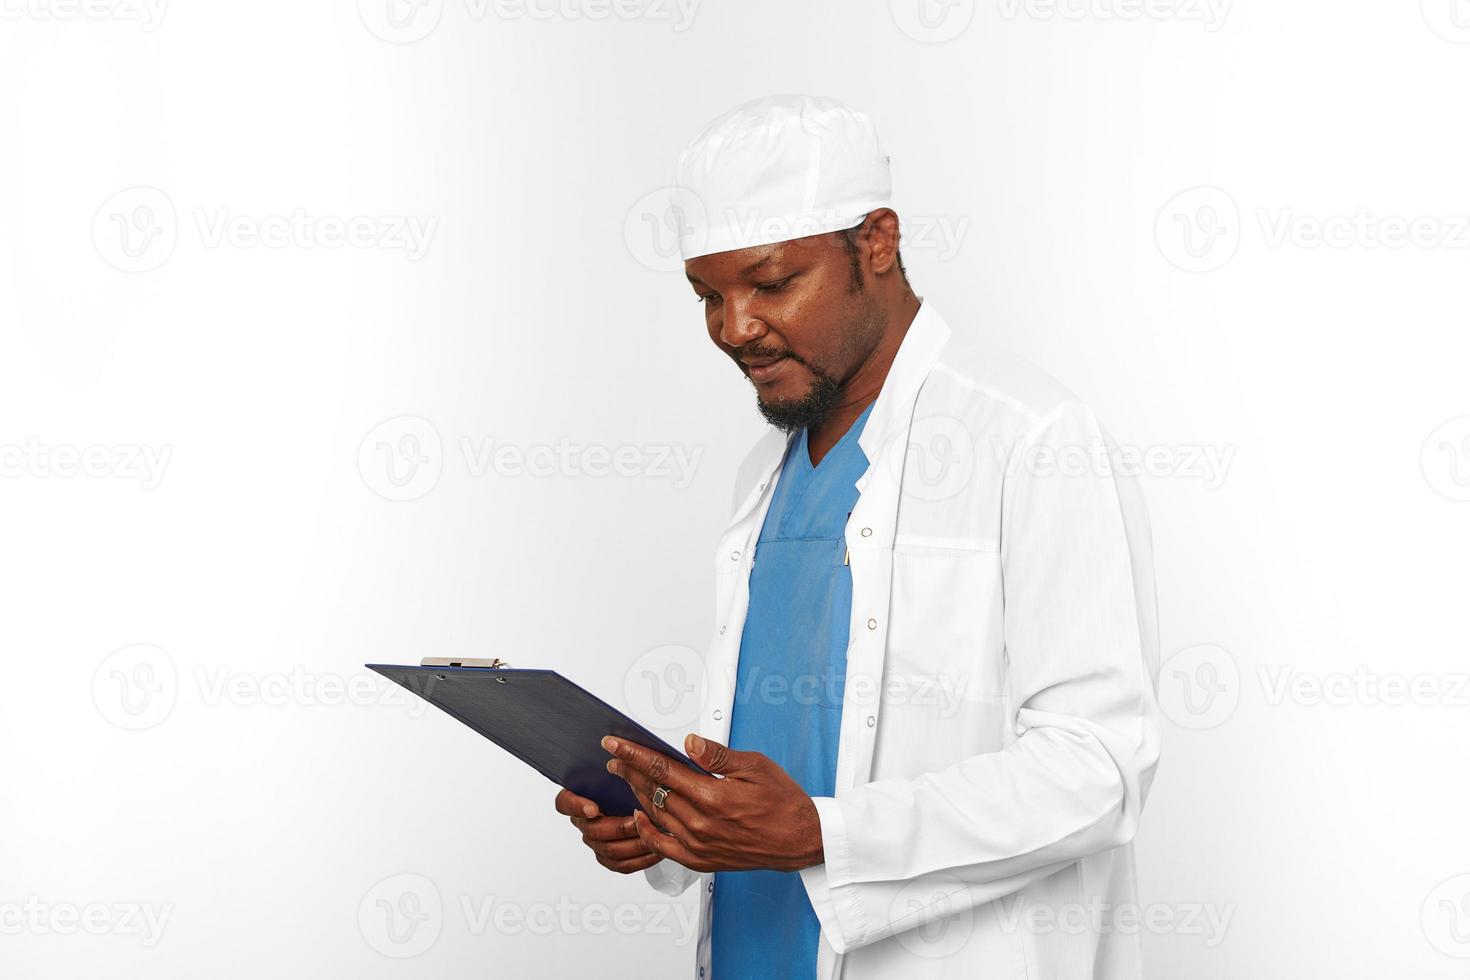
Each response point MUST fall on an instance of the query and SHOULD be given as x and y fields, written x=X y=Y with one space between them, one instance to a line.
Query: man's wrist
x=812 y=851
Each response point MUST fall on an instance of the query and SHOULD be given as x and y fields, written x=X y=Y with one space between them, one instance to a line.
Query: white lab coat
x=1000 y=726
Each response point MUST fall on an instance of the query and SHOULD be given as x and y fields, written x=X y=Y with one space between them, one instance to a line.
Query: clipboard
x=543 y=719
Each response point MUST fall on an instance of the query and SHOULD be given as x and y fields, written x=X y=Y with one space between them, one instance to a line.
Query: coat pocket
x=946 y=625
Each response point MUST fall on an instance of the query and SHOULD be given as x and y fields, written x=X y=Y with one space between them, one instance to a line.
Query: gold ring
x=659 y=795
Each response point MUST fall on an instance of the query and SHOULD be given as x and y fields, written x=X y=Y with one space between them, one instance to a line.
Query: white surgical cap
x=777 y=168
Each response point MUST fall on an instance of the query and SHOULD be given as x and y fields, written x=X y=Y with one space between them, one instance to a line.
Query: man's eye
x=704 y=298
x=773 y=287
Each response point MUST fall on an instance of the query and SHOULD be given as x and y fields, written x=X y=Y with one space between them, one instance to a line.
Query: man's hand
x=756 y=817
x=613 y=839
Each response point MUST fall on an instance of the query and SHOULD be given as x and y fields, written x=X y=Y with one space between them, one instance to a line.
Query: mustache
x=754 y=354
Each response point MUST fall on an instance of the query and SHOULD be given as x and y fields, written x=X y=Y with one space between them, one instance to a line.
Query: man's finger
x=630 y=866
x=718 y=758
x=570 y=804
x=619 y=850
x=665 y=846
x=606 y=828
x=656 y=766
x=668 y=819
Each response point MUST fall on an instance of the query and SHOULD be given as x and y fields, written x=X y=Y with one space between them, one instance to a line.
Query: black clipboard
x=541 y=718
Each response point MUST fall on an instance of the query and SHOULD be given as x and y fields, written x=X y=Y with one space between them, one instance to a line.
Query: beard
x=807 y=411
x=863 y=329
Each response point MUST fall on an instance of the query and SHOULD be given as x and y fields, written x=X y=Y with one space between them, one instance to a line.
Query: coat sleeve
x=1081 y=641
x=670 y=877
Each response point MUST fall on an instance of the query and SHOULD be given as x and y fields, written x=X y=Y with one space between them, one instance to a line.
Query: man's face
x=795 y=317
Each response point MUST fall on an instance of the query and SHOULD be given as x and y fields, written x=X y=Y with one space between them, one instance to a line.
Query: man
x=931 y=707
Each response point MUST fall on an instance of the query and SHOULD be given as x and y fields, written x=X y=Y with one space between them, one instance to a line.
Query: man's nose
x=739 y=327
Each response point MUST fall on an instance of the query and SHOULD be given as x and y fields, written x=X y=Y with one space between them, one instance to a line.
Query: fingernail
x=609 y=743
x=609 y=765
x=590 y=810
x=697 y=744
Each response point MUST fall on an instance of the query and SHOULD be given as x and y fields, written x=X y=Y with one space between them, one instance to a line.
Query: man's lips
x=766 y=368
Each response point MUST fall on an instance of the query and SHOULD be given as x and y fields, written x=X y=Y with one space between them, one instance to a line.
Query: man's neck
x=863 y=388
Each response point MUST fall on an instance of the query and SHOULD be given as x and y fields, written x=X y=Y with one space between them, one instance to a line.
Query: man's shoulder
x=994 y=386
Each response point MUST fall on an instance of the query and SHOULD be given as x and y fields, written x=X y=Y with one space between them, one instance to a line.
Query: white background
x=1124 y=193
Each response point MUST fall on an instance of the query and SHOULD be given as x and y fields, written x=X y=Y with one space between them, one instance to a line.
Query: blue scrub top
x=788 y=694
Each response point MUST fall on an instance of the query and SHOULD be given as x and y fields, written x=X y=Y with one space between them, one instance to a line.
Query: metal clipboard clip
x=463 y=662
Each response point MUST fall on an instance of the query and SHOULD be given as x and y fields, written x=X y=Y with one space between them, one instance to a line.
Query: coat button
x=872 y=721
x=734 y=556
x=872 y=624
x=763 y=486
x=711 y=887
x=719 y=714
x=722 y=631
x=867 y=532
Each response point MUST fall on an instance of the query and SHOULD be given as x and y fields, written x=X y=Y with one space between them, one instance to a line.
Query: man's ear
x=881 y=234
